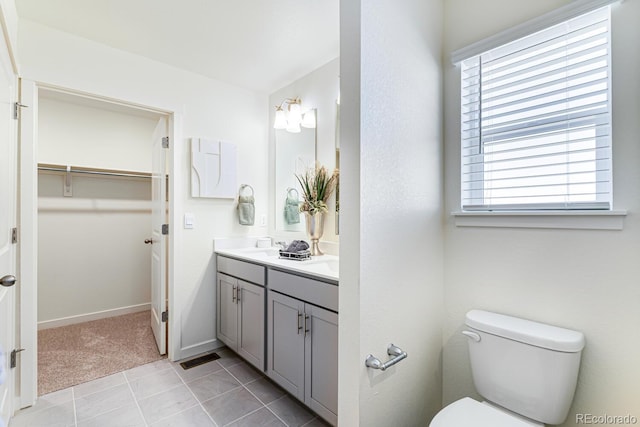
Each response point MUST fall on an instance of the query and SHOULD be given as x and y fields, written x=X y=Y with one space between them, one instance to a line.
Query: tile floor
x=225 y=392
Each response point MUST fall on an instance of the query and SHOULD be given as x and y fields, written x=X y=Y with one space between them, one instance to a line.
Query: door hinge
x=165 y=316
x=14 y=235
x=165 y=142
x=165 y=229
x=16 y=109
x=13 y=359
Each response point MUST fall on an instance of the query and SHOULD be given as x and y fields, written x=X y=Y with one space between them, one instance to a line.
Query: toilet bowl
x=468 y=412
x=526 y=371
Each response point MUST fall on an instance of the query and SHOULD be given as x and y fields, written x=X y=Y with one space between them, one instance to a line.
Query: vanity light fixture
x=292 y=118
x=281 y=119
x=295 y=116
x=295 y=111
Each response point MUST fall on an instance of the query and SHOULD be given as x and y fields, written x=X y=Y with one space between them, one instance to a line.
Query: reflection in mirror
x=338 y=165
x=295 y=153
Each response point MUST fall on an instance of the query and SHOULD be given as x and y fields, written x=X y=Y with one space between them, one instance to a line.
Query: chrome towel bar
x=395 y=351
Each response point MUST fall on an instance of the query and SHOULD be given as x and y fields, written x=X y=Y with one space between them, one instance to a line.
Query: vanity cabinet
x=241 y=309
x=302 y=340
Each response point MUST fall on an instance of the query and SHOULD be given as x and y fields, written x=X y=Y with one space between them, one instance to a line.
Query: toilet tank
x=527 y=367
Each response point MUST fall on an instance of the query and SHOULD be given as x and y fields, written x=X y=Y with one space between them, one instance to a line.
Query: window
x=536 y=120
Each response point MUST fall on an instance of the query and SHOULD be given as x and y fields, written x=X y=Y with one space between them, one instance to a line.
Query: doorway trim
x=27 y=318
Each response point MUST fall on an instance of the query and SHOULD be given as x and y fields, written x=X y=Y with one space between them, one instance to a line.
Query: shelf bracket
x=68 y=183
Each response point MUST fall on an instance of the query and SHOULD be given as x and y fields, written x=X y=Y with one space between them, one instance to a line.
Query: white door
x=159 y=240
x=8 y=162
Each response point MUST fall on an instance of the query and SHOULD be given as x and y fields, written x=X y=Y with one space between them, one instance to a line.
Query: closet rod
x=90 y=171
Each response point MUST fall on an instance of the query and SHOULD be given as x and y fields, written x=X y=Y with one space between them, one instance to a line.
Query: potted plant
x=317 y=186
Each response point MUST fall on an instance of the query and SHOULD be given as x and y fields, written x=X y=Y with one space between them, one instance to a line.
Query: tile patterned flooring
x=225 y=392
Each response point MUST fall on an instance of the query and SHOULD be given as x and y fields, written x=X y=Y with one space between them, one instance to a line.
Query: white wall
x=320 y=90
x=77 y=134
x=208 y=108
x=10 y=18
x=391 y=268
x=581 y=279
x=91 y=254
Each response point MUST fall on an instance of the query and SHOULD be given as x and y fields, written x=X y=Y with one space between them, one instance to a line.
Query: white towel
x=246 y=208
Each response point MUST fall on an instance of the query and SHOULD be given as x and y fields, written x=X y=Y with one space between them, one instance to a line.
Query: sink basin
x=270 y=252
x=325 y=266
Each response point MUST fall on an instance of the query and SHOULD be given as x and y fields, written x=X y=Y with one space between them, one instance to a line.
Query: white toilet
x=527 y=372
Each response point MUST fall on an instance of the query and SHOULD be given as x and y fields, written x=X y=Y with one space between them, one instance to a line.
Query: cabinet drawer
x=313 y=291
x=243 y=270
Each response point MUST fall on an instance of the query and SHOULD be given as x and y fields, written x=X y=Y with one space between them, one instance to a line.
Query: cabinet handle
x=306 y=327
x=233 y=294
x=238 y=293
x=299 y=325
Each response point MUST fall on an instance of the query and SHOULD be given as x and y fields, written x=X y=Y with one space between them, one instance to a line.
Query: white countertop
x=323 y=267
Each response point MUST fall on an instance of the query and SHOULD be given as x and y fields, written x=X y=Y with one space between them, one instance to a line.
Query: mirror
x=338 y=165
x=295 y=153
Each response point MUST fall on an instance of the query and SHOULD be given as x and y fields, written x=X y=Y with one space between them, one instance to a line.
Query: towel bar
x=395 y=351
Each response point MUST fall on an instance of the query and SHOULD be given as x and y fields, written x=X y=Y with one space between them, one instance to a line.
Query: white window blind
x=536 y=120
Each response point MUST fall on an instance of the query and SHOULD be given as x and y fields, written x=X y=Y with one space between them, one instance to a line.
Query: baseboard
x=80 y=318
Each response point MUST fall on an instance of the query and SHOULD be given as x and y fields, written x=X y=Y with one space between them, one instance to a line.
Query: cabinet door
x=285 y=357
x=251 y=323
x=227 y=325
x=321 y=362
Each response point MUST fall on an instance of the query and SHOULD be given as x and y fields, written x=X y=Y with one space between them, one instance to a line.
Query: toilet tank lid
x=526 y=331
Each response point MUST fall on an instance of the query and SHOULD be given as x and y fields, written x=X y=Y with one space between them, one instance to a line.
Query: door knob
x=148 y=241
x=8 y=280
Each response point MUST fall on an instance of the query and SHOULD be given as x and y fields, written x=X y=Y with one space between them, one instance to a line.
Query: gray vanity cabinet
x=240 y=309
x=285 y=345
x=227 y=311
x=302 y=340
x=321 y=363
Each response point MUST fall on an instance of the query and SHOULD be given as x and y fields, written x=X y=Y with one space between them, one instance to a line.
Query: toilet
x=526 y=371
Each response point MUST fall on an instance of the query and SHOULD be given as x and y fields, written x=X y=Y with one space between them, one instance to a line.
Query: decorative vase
x=315 y=228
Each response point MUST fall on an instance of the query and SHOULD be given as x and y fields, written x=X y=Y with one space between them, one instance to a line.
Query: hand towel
x=246 y=208
x=297 y=246
x=292 y=207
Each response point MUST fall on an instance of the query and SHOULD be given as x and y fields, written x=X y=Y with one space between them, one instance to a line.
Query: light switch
x=188 y=220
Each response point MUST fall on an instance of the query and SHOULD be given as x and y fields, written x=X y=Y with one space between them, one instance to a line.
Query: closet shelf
x=92 y=171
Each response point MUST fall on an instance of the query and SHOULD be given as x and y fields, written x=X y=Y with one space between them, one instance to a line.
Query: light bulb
x=280 y=121
x=295 y=115
x=309 y=119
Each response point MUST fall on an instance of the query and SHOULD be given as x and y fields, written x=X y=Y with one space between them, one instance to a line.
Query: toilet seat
x=467 y=412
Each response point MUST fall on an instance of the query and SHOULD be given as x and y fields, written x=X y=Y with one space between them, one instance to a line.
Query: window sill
x=580 y=220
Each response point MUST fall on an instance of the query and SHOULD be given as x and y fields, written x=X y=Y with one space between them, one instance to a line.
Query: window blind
x=535 y=118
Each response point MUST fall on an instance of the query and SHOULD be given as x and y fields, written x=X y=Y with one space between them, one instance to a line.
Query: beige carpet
x=74 y=354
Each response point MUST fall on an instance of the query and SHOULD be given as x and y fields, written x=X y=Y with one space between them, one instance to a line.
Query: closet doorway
x=102 y=200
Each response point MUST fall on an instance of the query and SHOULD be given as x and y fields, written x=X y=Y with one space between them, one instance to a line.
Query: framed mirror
x=295 y=153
